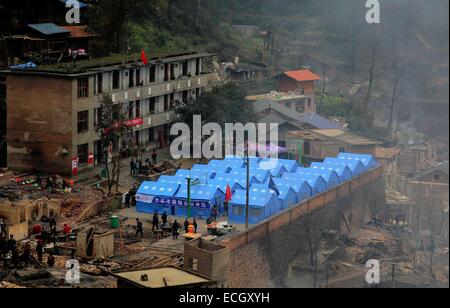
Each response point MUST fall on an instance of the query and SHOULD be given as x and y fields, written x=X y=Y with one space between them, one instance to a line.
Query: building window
x=152 y=107
x=152 y=74
x=83 y=121
x=166 y=103
x=131 y=78
x=98 y=116
x=116 y=80
x=130 y=110
x=139 y=82
x=138 y=109
x=100 y=83
x=151 y=135
x=342 y=150
x=307 y=148
x=83 y=153
x=83 y=87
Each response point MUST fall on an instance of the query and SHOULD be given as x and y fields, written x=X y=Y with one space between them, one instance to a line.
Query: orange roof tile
x=80 y=31
x=303 y=75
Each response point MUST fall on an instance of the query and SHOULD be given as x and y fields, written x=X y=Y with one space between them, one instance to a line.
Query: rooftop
x=277 y=96
x=80 y=31
x=386 y=153
x=110 y=62
x=165 y=277
x=336 y=134
x=303 y=75
x=48 y=29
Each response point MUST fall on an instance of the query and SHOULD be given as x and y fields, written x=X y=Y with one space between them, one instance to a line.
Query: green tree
x=117 y=139
x=223 y=104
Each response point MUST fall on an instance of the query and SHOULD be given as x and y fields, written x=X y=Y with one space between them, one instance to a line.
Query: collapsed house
x=18 y=215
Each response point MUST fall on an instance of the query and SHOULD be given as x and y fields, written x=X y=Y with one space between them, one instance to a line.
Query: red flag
x=144 y=57
x=229 y=194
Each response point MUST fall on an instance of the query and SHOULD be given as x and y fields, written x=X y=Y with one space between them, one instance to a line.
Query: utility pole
x=247 y=192
x=190 y=183
x=189 y=196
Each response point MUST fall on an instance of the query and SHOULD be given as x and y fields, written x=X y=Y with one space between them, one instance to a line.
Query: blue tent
x=206 y=169
x=345 y=174
x=262 y=189
x=278 y=171
x=367 y=160
x=331 y=177
x=355 y=166
x=241 y=181
x=225 y=165
x=317 y=182
x=222 y=185
x=201 y=176
x=260 y=206
x=154 y=197
x=261 y=175
x=203 y=199
x=289 y=165
x=287 y=197
x=23 y=66
x=168 y=179
x=302 y=188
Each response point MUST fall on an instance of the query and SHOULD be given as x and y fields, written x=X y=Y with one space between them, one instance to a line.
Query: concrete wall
x=262 y=254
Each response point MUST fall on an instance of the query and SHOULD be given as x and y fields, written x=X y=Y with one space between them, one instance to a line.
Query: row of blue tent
x=275 y=185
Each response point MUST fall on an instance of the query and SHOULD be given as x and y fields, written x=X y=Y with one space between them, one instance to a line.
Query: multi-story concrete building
x=52 y=111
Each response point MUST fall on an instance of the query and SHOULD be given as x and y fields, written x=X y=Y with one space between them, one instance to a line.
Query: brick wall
x=39 y=120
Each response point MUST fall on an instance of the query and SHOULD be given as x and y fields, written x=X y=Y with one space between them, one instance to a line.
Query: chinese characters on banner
x=173 y=202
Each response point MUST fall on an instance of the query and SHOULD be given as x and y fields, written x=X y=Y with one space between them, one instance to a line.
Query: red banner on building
x=91 y=159
x=129 y=123
x=75 y=166
x=135 y=122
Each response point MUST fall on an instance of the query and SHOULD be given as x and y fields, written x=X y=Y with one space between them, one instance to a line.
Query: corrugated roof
x=318 y=121
x=303 y=75
x=48 y=29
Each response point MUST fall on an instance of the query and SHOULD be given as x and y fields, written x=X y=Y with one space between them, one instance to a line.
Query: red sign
x=129 y=123
x=135 y=122
x=75 y=166
x=91 y=159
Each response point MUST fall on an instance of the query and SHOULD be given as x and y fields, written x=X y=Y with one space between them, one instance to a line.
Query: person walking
x=139 y=228
x=186 y=225
x=195 y=224
x=40 y=250
x=175 y=228
x=132 y=167
x=155 y=222
x=154 y=157
x=127 y=200
x=164 y=218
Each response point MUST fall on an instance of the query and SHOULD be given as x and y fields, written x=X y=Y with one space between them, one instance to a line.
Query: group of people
x=130 y=197
x=137 y=166
x=158 y=224
x=9 y=249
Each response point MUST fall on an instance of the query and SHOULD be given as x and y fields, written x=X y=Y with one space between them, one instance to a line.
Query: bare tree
x=116 y=137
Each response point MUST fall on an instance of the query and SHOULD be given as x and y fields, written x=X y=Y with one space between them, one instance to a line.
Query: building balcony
x=163 y=88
